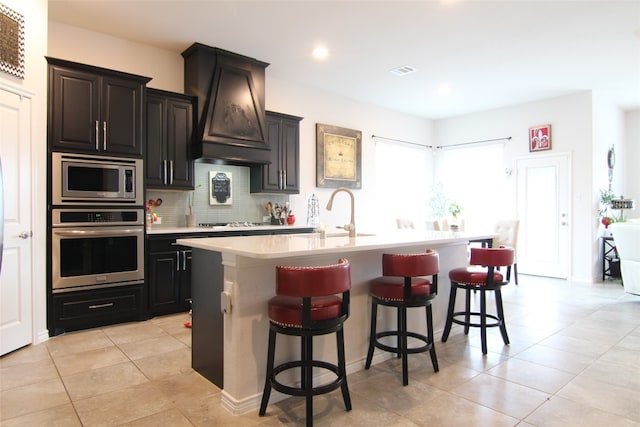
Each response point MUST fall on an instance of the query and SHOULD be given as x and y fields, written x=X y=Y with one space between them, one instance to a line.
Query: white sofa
x=627 y=239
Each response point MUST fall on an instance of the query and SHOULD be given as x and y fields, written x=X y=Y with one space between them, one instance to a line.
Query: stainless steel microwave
x=85 y=179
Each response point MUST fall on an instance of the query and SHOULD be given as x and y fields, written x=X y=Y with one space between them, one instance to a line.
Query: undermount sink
x=336 y=234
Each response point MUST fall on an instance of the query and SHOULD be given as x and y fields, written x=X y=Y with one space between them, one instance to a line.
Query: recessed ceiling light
x=402 y=71
x=320 y=52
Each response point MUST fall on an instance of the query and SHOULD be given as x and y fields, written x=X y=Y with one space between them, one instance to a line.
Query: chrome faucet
x=351 y=228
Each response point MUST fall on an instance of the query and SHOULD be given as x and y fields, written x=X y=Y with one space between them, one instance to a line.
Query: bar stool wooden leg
x=372 y=334
x=449 y=321
x=500 y=311
x=343 y=368
x=432 y=351
x=267 y=383
x=483 y=321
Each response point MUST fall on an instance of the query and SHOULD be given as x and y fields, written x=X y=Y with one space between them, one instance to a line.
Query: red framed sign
x=540 y=138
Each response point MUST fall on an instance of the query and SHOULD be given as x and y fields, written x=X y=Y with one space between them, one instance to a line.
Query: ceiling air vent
x=402 y=71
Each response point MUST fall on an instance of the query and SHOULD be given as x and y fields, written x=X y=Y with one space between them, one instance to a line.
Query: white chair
x=404 y=223
x=626 y=236
x=507 y=230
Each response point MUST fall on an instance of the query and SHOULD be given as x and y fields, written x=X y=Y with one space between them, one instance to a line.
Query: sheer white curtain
x=403 y=182
x=474 y=177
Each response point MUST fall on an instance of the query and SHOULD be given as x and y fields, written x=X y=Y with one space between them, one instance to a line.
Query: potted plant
x=606 y=196
x=455 y=209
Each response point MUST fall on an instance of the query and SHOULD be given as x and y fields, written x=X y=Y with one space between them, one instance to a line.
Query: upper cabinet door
x=94 y=110
x=121 y=116
x=170 y=122
x=74 y=111
x=282 y=175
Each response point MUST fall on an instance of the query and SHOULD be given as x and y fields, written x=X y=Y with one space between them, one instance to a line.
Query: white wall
x=35 y=81
x=570 y=118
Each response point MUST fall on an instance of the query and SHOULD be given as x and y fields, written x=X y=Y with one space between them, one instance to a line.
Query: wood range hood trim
x=231 y=105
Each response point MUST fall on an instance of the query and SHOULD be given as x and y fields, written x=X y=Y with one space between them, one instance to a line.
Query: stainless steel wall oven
x=96 y=248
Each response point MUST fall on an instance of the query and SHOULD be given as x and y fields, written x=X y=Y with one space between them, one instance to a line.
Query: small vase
x=191 y=221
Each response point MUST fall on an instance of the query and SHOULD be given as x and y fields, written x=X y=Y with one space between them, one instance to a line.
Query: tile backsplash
x=245 y=206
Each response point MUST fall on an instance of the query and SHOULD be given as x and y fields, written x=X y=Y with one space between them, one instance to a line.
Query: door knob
x=25 y=234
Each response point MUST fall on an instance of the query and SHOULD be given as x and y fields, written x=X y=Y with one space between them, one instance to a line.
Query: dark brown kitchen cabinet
x=169 y=128
x=282 y=175
x=89 y=309
x=94 y=110
x=168 y=276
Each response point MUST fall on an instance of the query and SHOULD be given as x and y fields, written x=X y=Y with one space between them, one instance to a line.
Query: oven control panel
x=90 y=217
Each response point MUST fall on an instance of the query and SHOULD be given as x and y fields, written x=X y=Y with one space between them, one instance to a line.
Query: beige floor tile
x=630 y=342
x=558 y=359
x=206 y=411
x=77 y=342
x=166 y=364
x=27 y=373
x=624 y=357
x=87 y=360
x=28 y=354
x=184 y=336
x=450 y=410
x=504 y=396
x=122 y=406
x=152 y=347
x=611 y=398
x=451 y=376
x=559 y=412
x=614 y=374
x=575 y=345
x=170 y=418
x=182 y=388
x=172 y=324
x=103 y=380
x=133 y=332
x=542 y=378
x=59 y=416
x=32 y=398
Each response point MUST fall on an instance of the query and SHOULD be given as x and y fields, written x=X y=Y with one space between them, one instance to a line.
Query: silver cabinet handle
x=284 y=179
x=104 y=133
x=177 y=260
x=280 y=179
x=97 y=136
x=93 y=307
x=25 y=234
x=184 y=260
x=164 y=174
x=170 y=172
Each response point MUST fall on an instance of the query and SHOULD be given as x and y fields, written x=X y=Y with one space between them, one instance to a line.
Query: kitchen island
x=234 y=277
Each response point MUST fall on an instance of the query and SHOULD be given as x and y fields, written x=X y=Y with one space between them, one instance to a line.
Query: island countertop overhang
x=292 y=245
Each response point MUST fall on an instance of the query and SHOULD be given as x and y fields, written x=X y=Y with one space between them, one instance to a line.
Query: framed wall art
x=11 y=42
x=540 y=138
x=338 y=157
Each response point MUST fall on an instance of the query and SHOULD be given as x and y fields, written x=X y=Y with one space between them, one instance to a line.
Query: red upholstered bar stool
x=402 y=286
x=481 y=276
x=309 y=301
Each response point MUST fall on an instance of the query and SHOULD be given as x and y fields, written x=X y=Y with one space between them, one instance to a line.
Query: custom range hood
x=231 y=108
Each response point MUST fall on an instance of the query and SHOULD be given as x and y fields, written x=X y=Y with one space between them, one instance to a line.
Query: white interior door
x=16 y=315
x=544 y=203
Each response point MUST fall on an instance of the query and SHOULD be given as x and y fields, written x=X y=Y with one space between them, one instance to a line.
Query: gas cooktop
x=228 y=224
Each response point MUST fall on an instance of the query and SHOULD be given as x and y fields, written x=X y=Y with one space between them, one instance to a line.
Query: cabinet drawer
x=77 y=310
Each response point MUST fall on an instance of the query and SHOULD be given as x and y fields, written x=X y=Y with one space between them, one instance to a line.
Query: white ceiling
x=491 y=53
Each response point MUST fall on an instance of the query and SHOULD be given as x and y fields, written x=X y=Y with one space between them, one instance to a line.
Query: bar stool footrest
x=411 y=350
x=299 y=391
x=498 y=322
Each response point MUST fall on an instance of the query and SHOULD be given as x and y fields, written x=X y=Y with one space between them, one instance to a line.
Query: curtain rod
x=443 y=147
x=403 y=142
x=461 y=144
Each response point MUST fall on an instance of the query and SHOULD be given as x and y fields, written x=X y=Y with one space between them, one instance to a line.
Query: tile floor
x=574 y=359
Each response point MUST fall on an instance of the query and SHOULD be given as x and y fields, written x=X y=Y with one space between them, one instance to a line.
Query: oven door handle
x=97 y=232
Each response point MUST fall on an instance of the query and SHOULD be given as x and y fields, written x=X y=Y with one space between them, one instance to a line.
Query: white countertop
x=290 y=245
x=159 y=229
